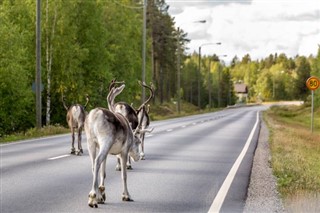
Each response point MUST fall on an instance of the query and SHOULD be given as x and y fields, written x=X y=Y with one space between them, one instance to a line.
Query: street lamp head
x=218 y=43
x=200 y=21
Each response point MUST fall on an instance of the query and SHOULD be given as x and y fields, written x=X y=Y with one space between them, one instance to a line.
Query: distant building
x=241 y=91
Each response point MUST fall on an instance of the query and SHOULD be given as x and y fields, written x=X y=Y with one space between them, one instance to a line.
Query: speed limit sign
x=313 y=83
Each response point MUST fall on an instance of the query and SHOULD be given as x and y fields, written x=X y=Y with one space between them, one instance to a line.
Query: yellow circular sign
x=313 y=83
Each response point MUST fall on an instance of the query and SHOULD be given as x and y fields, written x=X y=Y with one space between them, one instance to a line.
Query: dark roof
x=241 y=88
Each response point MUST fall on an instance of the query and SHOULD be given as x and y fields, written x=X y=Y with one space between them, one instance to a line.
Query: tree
x=17 y=100
x=303 y=70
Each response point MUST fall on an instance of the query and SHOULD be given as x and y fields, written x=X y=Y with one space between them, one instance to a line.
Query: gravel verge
x=262 y=192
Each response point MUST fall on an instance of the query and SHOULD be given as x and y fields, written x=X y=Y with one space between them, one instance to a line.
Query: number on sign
x=313 y=83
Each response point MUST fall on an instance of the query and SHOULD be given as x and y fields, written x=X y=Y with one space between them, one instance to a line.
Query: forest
x=87 y=43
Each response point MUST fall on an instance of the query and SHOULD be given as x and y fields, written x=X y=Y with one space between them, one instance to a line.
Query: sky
x=255 y=27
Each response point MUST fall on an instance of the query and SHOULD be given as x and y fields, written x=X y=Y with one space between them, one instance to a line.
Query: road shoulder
x=262 y=192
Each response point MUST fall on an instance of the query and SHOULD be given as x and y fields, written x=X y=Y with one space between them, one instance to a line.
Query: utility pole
x=144 y=41
x=38 y=65
x=178 y=69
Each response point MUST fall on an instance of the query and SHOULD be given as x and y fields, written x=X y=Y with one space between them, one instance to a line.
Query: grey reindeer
x=109 y=132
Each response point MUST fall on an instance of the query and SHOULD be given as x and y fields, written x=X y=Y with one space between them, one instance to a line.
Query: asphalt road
x=193 y=164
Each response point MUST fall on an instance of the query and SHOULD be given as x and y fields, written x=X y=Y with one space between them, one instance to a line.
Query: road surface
x=198 y=163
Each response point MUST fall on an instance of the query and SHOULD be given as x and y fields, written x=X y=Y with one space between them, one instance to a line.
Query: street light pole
x=144 y=41
x=199 y=69
x=38 y=65
x=178 y=71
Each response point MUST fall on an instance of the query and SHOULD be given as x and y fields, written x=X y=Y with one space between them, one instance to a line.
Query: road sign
x=313 y=83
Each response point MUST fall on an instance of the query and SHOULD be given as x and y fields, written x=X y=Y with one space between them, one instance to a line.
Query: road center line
x=58 y=157
x=219 y=199
x=169 y=130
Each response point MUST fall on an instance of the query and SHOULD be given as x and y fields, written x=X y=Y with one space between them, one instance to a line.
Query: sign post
x=312 y=83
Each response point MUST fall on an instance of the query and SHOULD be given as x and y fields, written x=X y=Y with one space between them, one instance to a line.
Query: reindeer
x=75 y=118
x=109 y=132
x=143 y=116
x=135 y=117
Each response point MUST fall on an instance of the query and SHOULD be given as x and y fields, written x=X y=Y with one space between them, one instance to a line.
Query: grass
x=34 y=133
x=295 y=155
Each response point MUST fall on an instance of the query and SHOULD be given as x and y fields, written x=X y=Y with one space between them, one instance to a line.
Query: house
x=241 y=91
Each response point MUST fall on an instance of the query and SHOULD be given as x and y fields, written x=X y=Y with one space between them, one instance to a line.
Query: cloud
x=258 y=28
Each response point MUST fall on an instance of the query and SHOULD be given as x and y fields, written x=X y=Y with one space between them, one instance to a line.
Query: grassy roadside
x=157 y=112
x=296 y=156
x=35 y=133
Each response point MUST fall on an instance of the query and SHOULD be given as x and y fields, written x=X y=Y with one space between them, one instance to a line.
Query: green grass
x=35 y=133
x=295 y=151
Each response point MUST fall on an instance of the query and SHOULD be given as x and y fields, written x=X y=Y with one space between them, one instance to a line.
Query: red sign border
x=309 y=79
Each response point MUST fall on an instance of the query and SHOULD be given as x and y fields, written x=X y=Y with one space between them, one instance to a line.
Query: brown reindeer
x=75 y=118
x=137 y=118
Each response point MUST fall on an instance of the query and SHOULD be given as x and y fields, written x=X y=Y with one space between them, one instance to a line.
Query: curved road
x=198 y=163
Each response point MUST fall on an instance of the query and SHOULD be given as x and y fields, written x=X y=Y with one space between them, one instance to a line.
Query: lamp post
x=38 y=65
x=144 y=41
x=199 y=71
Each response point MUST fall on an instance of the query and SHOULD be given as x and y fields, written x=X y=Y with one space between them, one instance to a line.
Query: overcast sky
x=257 y=27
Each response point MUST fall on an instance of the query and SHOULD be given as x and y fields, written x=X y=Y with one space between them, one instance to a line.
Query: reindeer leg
x=73 y=150
x=125 y=194
x=96 y=196
x=79 y=151
x=92 y=153
x=118 y=166
x=129 y=163
x=142 y=155
x=102 y=194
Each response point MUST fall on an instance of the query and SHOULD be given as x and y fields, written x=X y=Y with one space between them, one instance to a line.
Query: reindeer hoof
x=127 y=199
x=73 y=151
x=129 y=167
x=103 y=195
x=92 y=201
x=78 y=153
x=93 y=205
x=142 y=156
x=81 y=150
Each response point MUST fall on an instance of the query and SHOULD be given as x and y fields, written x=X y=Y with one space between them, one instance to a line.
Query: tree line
x=87 y=43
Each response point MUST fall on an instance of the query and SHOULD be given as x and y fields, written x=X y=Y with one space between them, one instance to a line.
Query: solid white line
x=58 y=157
x=219 y=199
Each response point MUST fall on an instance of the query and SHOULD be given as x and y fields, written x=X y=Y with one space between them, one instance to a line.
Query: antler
x=63 y=102
x=112 y=95
x=141 y=131
x=87 y=98
x=151 y=93
x=114 y=82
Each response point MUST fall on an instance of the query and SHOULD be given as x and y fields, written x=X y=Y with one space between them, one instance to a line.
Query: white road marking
x=58 y=157
x=219 y=199
x=184 y=126
x=169 y=130
x=147 y=136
